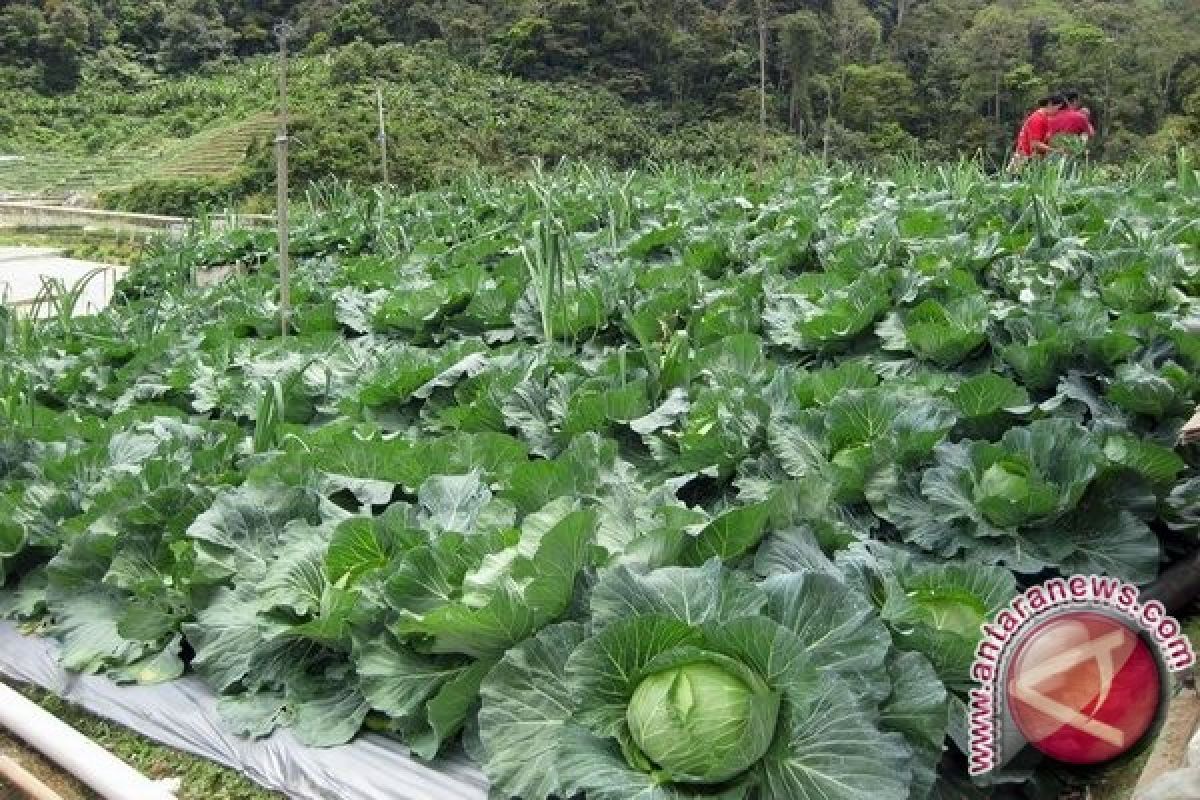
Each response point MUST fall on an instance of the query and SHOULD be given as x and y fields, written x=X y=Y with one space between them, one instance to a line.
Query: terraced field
x=58 y=175
x=210 y=153
x=216 y=152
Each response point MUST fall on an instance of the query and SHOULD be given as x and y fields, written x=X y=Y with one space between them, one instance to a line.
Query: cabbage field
x=637 y=486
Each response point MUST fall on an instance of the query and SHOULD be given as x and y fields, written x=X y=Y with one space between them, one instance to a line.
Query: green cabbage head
x=703 y=722
x=1011 y=492
x=698 y=683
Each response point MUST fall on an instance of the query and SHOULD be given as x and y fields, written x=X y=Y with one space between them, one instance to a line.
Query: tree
x=854 y=34
x=523 y=45
x=21 y=28
x=876 y=95
x=997 y=46
x=190 y=39
x=61 y=47
x=140 y=25
x=761 y=11
x=799 y=35
x=358 y=21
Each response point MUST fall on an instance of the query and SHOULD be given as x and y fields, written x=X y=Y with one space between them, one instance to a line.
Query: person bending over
x=1074 y=120
x=1033 y=141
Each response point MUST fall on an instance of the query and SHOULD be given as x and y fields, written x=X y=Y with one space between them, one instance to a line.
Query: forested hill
x=859 y=76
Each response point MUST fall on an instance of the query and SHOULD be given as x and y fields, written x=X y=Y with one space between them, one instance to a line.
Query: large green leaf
x=828 y=749
x=431 y=575
x=729 y=536
x=1140 y=389
x=690 y=595
x=295 y=581
x=938 y=610
x=326 y=710
x=794 y=549
x=361 y=546
x=454 y=502
x=840 y=630
x=254 y=714
x=917 y=709
x=236 y=645
x=598 y=768
x=1159 y=465
x=605 y=670
x=245 y=527
x=1111 y=542
x=526 y=702
x=828 y=313
x=944 y=333
x=87 y=625
x=447 y=711
x=397 y=680
x=537 y=592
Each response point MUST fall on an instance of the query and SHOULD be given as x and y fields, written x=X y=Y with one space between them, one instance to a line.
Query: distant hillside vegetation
x=187 y=143
x=100 y=93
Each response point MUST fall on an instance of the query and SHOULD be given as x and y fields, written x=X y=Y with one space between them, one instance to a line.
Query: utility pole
x=382 y=134
x=282 y=31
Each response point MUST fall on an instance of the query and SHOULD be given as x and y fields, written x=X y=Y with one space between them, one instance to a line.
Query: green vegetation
x=102 y=94
x=539 y=458
x=445 y=120
x=99 y=246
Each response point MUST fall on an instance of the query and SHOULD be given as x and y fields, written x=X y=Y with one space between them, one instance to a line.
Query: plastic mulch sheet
x=183 y=715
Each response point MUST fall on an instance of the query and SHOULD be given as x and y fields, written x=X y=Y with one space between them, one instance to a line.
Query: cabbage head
x=701 y=683
x=1047 y=495
x=705 y=721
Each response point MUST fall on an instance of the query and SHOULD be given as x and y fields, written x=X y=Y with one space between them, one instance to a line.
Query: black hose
x=1178 y=587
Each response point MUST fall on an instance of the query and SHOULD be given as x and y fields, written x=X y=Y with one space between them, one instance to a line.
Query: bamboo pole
x=1190 y=434
x=383 y=155
x=283 y=30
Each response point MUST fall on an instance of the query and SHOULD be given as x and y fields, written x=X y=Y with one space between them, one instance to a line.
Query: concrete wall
x=33 y=215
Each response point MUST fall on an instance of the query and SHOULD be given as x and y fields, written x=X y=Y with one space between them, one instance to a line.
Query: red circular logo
x=1083 y=687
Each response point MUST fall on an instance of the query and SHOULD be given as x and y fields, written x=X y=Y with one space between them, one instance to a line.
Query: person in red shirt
x=1034 y=139
x=1074 y=120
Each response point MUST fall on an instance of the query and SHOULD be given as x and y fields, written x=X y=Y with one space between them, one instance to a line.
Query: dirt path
x=43 y=770
x=198 y=779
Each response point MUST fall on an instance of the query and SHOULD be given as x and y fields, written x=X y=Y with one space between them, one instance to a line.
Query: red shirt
x=1036 y=129
x=1071 y=121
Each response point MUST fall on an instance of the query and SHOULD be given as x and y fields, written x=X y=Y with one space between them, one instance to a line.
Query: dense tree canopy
x=860 y=76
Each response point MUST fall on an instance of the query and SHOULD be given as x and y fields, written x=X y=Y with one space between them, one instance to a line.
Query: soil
x=1170 y=750
x=43 y=770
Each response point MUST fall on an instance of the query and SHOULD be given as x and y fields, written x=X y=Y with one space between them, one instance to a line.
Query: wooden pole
x=282 y=31
x=382 y=134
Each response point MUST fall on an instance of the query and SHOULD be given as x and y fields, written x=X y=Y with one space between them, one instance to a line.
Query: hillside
x=98 y=93
x=186 y=140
